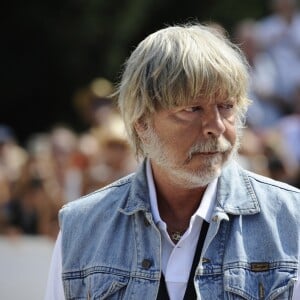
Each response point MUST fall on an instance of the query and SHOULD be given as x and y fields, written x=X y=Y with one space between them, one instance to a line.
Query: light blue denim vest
x=111 y=247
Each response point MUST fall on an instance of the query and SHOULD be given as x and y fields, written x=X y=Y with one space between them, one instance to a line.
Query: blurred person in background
x=279 y=35
x=190 y=223
x=104 y=143
x=12 y=160
x=12 y=155
x=113 y=158
x=267 y=105
x=94 y=103
x=275 y=130
x=68 y=162
x=34 y=199
x=251 y=154
x=5 y=198
x=288 y=130
x=30 y=208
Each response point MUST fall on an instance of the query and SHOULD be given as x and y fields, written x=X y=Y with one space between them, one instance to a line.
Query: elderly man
x=190 y=223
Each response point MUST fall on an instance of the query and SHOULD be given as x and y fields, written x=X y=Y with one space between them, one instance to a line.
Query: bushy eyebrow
x=211 y=101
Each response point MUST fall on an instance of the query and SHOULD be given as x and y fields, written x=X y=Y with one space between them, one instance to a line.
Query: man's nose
x=212 y=123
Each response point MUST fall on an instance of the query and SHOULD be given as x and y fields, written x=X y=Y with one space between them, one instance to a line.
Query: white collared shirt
x=177 y=258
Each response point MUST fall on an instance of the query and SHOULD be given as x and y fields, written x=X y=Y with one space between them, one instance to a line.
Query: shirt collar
x=205 y=208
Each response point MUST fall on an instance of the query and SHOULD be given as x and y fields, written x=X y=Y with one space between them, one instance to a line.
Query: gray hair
x=176 y=65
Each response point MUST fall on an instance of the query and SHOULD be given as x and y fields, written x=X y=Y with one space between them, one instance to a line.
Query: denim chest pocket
x=97 y=286
x=260 y=281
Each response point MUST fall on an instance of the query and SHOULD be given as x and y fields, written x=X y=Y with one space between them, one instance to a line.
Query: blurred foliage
x=52 y=48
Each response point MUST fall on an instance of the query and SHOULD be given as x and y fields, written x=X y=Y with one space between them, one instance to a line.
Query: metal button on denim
x=146 y=263
x=146 y=222
x=215 y=219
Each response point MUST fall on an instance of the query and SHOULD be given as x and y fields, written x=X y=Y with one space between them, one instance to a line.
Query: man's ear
x=141 y=126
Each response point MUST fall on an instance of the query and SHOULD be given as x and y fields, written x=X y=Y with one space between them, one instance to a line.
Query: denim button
x=205 y=260
x=146 y=222
x=146 y=263
x=215 y=219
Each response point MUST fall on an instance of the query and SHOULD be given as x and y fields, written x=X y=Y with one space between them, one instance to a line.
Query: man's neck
x=176 y=203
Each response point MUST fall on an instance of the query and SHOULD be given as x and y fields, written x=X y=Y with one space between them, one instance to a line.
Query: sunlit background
x=61 y=135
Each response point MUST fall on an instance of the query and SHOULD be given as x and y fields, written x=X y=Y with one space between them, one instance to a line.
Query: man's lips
x=203 y=155
x=207 y=153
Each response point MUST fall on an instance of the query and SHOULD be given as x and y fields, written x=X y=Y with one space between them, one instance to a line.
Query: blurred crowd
x=59 y=166
x=272 y=48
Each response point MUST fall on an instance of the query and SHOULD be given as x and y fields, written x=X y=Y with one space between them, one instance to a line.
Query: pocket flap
x=97 y=286
x=260 y=283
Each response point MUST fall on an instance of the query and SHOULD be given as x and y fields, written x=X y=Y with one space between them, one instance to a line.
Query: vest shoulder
x=264 y=182
x=235 y=175
x=108 y=196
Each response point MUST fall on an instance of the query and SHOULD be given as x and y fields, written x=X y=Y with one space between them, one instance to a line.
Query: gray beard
x=191 y=178
x=203 y=176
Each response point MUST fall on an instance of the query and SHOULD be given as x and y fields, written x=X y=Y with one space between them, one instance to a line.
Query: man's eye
x=226 y=106
x=192 y=109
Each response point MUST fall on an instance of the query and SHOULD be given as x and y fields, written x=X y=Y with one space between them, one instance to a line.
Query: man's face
x=192 y=143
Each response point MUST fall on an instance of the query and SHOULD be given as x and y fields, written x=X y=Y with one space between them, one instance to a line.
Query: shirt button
x=146 y=264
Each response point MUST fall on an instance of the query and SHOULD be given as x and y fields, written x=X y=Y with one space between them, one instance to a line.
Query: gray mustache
x=213 y=145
